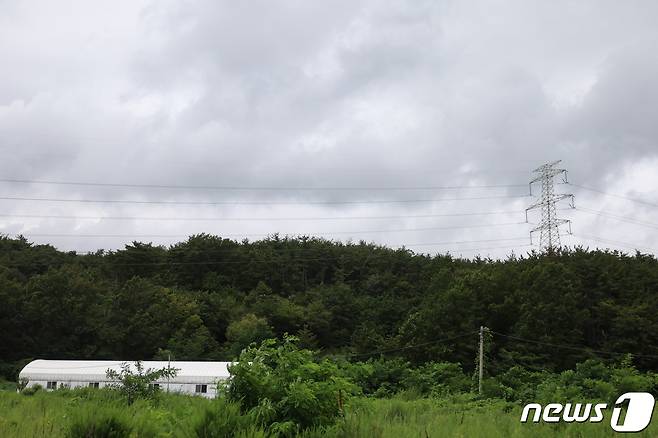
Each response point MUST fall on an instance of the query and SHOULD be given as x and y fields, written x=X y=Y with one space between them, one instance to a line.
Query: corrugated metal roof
x=95 y=370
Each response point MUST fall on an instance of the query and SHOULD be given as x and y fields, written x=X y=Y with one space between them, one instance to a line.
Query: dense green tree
x=211 y=297
x=248 y=329
x=17 y=338
x=64 y=308
x=143 y=317
x=192 y=341
x=284 y=315
x=137 y=260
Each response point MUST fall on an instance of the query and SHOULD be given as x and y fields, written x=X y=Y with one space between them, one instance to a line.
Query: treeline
x=209 y=297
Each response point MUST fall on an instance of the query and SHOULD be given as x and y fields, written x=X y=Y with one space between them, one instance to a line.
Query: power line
x=243 y=218
x=639 y=201
x=210 y=263
x=525 y=245
x=295 y=251
x=614 y=216
x=401 y=244
x=570 y=347
x=132 y=201
x=220 y=251
x=392 y=247
x=255 y=188
x=218 y=262
x=614 y=242
x=393 y=230
x=461 y=242
x=409 y=347
x=188 y=251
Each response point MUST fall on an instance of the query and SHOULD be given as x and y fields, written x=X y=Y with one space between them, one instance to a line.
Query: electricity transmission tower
x=549 y=227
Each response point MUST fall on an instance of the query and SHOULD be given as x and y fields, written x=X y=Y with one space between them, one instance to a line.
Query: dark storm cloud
x=298 y=94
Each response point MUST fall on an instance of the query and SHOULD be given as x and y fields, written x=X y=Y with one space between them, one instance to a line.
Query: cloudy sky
x=389 y=121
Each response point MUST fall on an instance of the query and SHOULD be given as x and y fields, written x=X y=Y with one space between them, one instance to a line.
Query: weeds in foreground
x=100 y=413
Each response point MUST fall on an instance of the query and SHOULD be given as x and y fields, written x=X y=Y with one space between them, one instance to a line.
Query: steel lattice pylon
x=549 y=226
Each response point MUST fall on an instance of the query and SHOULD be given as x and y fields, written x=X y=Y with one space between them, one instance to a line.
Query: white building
x=199 y=378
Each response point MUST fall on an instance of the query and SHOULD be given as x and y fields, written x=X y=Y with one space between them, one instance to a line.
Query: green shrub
x=437 y=379
x=379 y=377
x=138 y=383
x=279 y=383
x=516 y=384
x=594 y=380
x=384 y=378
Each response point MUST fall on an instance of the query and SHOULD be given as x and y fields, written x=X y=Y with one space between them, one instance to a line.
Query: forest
x=208 y=298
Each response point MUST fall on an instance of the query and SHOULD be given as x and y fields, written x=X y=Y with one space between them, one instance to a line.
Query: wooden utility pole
x=481 y=361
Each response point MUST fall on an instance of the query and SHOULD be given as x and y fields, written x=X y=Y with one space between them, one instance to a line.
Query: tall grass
x=63 y=413
x=72 y=413
x=379 y=418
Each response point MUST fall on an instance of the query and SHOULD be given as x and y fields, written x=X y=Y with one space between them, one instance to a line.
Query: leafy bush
x=592 y=380
x=285 y=387
x=516 y=384
x=138 y=383
x=378 y=377
x=437 y=379
x=387 y=377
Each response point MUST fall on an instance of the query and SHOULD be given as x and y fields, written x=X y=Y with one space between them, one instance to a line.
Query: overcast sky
x=343 y=94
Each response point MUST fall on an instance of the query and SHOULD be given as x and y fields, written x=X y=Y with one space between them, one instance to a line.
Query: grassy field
x=56 y=414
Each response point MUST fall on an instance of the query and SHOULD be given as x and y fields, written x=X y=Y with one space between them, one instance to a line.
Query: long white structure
x=198 y=378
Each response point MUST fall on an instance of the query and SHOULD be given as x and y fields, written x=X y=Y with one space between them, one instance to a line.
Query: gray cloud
x=299 y=94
